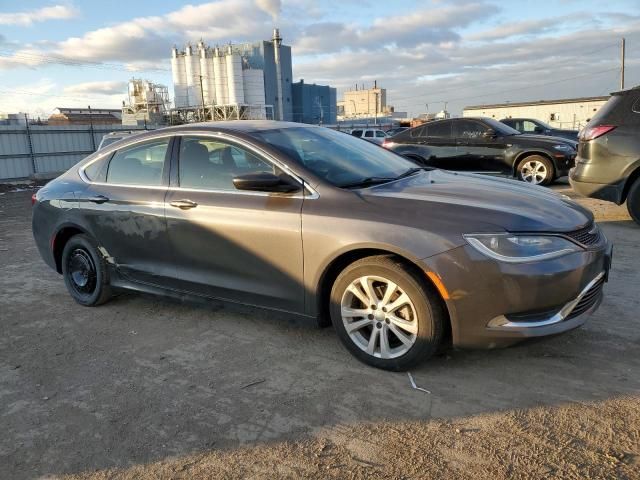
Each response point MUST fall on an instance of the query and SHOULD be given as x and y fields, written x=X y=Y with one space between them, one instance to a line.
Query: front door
x=124 y=209
x=478 y=152
x=231 y=244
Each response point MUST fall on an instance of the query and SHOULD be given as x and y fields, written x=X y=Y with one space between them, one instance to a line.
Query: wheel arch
x=528 y=153
x=631 y=179
x=60 y=239
x=341 y=261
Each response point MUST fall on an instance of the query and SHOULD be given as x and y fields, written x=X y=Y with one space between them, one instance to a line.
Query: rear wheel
x=536 y=169
x=385 y=314
x=633 y=201
x=85 y=272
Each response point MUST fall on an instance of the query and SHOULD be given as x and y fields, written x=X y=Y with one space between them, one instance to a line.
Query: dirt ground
x=149 y=388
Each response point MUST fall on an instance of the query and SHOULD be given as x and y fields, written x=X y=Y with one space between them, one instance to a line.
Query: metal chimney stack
x=277 y=42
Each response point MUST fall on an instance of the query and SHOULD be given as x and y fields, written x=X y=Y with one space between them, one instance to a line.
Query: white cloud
x=27 y=18
x=97 y=88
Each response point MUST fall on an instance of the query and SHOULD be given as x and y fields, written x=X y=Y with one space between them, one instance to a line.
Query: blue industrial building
x=315 y=104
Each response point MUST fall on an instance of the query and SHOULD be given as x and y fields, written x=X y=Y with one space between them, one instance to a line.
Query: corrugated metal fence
x=44 y=149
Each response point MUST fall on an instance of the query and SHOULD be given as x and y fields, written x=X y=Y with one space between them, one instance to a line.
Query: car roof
x=238 y=126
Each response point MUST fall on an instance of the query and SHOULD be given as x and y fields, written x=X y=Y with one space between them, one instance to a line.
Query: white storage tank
x=208 y=75
x=253 y=86
x=220 y=77
x=192 y=67
x=179 y=78
x=234 y=77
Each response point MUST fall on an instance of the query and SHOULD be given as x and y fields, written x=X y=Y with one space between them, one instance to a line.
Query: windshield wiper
x=409 y=172
x=367 y=182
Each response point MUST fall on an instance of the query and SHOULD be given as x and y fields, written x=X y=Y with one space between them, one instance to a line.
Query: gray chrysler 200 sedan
x=303 y=219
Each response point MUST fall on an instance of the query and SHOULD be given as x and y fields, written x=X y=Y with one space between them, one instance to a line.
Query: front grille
x=588 y=300
x=587 y=236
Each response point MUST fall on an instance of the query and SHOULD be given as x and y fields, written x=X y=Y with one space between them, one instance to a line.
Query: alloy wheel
x=379 y=317
x=534 y=172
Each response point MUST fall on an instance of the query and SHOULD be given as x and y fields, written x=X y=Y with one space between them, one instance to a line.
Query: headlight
x=512 y=248
x=563 y=148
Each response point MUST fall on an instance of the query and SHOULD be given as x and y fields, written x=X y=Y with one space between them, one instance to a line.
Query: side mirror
x=264 y=182
x=489 y=134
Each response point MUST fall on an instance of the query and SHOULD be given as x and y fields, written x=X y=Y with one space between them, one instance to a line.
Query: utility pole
x=622 y=69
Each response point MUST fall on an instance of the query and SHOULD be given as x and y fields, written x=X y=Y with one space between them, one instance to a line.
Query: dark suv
x=485 y=145
x=531 y=125
x=608 y=163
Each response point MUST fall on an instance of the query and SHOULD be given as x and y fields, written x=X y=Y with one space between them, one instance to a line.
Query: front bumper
x=494 y=304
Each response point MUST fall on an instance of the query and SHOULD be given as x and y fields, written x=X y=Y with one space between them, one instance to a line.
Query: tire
x=537 y=170
x=419 y=318
x=633 y=201
x=85 y=272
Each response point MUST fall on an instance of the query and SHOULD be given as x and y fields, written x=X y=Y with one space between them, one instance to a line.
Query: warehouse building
x=313 y=103
x=85 y=116
x=248 y=80
x=570 y=113
x=361 y=103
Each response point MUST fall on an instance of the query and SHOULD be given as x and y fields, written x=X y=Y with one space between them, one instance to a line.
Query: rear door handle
x=98 y=199
x=184 y=204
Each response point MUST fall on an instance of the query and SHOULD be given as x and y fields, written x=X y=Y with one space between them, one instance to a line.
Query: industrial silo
x=253 y=86
x=208 y=75
x=192 y=68
x=179 y=78
x=234 y=77
x=220 y=77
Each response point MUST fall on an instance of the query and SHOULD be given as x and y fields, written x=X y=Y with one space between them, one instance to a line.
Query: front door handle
x=98 y=199
x=184 y=204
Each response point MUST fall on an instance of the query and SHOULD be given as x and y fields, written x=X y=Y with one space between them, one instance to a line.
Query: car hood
x=465 y=203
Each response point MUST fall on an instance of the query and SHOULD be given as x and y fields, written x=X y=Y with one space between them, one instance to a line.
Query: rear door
x=231 y=244
x=123 y=206
x=442 y=150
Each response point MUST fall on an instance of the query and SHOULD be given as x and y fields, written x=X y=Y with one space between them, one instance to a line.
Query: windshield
x=500 y=127
x=342 y=160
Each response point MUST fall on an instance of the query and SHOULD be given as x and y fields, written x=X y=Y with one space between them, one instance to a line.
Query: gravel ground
x=144 y=387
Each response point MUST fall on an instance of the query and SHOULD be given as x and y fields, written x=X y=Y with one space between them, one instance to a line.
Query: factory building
x=248 y=80
x=571 y=113
x=314 y=104
x=148 y=103
x=361 y=103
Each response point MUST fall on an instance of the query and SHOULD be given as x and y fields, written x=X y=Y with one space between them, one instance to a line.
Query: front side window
x=469 y=129
x=529 y=126
x=141 y=164
x=380 y=134
x=211 y=164
x=339 y=159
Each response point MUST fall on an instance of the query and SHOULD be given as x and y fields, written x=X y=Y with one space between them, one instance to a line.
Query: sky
x=61 y=53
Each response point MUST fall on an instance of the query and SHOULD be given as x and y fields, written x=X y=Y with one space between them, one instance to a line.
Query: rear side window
x=141 y=164
x=96 y=171
x=439 y=130
x=636 y=106
x=357 y=133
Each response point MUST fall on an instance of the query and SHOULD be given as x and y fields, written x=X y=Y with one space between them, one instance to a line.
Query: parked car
x=373 y=135
x=537 y=127
x=394 y=131
x=307 y=220
x=608 y=162
x=484 y=145
x=113 y=137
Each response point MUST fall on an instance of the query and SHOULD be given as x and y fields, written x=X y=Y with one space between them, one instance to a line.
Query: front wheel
x=386 y=314
x=536 y=170
x=85 y=272
x=633 y=201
